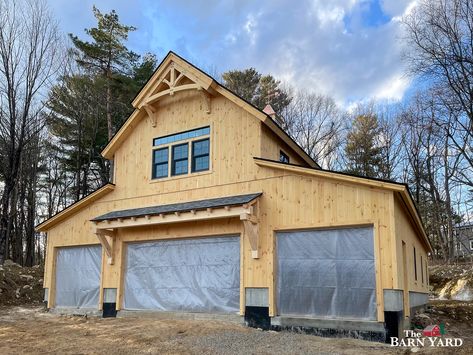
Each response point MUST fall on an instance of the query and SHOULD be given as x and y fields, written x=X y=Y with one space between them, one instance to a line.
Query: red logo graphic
x=431 y=331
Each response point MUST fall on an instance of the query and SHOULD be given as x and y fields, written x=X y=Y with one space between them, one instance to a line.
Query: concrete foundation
x=233 y=318
x=418 y=301
x=333 y=328
x=393 y=300
x=76 y=311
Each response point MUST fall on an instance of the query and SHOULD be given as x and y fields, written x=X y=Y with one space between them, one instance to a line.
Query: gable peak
x=172 y=75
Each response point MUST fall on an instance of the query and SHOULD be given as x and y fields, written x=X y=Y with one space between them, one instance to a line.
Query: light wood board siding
x=405 y=232
x=290 y=200
x=271 y=145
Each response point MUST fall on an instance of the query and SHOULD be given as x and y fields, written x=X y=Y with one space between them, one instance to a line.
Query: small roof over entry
x=179 y=207
x=244 y=207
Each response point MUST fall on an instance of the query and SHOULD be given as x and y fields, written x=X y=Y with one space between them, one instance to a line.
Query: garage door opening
x=78 y=277
x=191 y=275
x=327 y=273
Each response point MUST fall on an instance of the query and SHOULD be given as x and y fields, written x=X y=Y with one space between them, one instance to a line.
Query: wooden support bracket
x=207 y=100
x=107 y=238
x=151 y=111
x=251 y=226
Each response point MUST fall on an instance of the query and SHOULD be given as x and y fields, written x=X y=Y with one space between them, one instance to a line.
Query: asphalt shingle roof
x=179 y=207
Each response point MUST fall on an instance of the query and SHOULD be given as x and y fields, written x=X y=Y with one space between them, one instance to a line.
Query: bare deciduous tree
x=29 y=45
x=315 y=122
x=439 y=35
x=433 y=162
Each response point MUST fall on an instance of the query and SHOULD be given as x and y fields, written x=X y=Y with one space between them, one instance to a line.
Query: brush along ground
x=20 y=285
x=29 y=330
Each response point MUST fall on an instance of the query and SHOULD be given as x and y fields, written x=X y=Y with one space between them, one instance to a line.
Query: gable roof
x=205 y=82
x=401 y=189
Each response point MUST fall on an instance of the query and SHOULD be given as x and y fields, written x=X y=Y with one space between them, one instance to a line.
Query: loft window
x=194 y=133
x=180 y=159
x=283 y=157
x=200 y=155
x=415 y=264
x=160 y=163
x=181 y=153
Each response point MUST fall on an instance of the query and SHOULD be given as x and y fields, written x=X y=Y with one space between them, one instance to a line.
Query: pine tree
x=115 y=75
x=257 y=89
x=78 y=122
x=106 y=55
x=244 y=83
x=88 y=107
x=363 y=150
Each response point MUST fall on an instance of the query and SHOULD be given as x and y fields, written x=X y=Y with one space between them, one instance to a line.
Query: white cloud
x=317 y=45
x=396 y=8
x=310 y=47
x=393 y=88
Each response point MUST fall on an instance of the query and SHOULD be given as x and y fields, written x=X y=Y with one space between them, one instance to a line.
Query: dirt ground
x=32 y=330
x=20 y=285
x=27 y=328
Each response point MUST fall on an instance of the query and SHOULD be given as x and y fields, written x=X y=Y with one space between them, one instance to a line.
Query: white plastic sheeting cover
x=78 y=276
x=193 y=275
x=327 y=273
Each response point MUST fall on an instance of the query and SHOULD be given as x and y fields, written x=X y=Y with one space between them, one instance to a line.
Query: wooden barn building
x=214 y=211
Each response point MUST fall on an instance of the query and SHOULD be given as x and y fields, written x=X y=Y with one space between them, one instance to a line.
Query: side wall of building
x=411 y=271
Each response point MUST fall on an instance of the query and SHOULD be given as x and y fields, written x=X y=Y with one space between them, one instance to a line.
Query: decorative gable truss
x=174 y=78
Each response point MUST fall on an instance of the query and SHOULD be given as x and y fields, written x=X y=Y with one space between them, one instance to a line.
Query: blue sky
x=349 y=49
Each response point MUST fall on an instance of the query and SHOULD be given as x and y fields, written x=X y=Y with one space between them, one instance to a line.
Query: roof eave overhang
x=205 y=81
x=74 y=208
x=175 y=217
